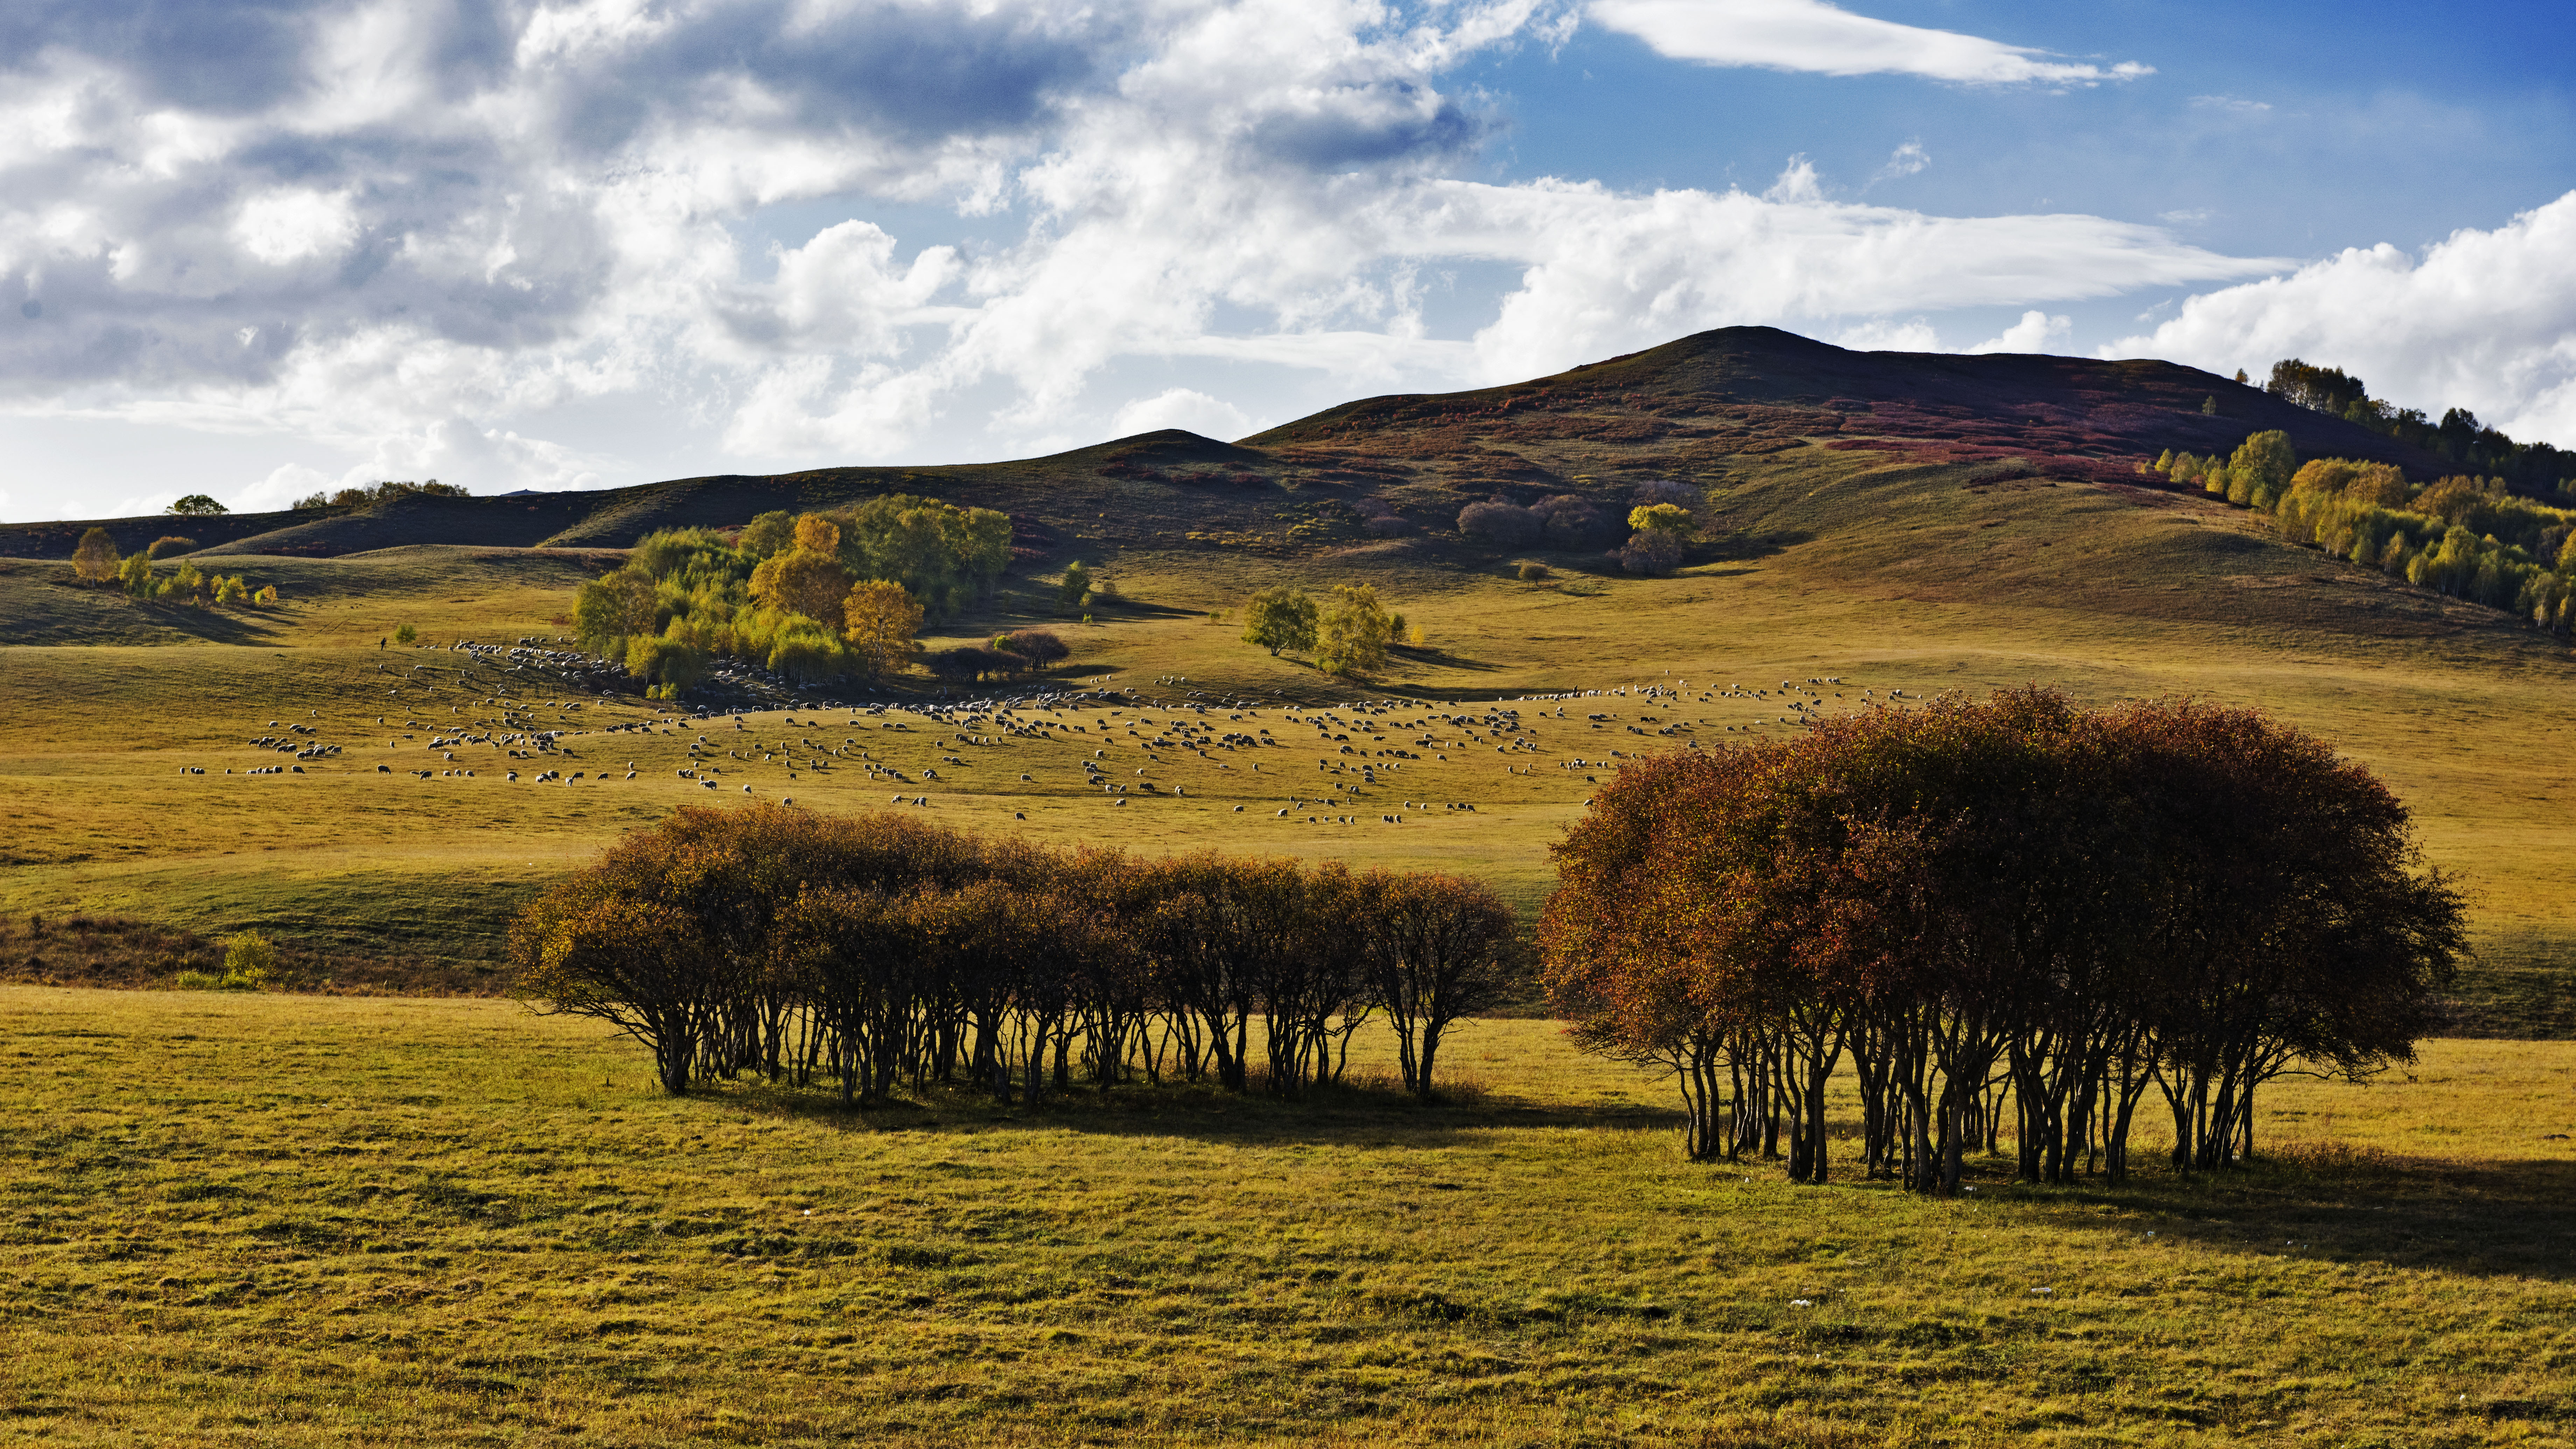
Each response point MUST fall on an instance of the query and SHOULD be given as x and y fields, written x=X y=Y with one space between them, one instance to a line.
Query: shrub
x=1039 y=647
x=1387 y=525
x=1667 y=490
x=1075 y=590
x=250 y=964
x=267 y=595
x=169 y=544
x=1499 y=522
x=969 y=662
x=1654 y=551
x=1569 y=520
x=1531 y=571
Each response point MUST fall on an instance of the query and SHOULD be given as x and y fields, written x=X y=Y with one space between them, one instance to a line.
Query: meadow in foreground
x=287 y=1221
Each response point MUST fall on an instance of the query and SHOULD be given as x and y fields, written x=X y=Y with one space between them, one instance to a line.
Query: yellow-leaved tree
x=880 y=620
x=1352 y=631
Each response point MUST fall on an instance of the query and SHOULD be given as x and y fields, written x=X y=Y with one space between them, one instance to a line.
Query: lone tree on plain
x=96 y=559
x=1280 y=618
x=197 y=505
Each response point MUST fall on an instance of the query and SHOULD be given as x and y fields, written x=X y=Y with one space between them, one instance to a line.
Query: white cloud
x=1810 y=35
x=1181 y=407
x=1884 y=335
x=285 y=483
x=289 y=226
x=2233 y=105
x=2483 y=319
x=1909 y=159
x=409 y=236
x=2032 y=333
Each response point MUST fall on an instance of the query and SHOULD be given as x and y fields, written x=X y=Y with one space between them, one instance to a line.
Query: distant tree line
x=95 y=560
x=813 y=596
x=2532 y=468
x=371 y=494
x=883 y=955
x=2471 y=538
x=2009 y=913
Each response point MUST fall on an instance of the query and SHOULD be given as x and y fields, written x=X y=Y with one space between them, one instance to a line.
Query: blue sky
x=259 y=247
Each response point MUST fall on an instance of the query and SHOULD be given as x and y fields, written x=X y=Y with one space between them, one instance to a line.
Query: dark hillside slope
x=1707 y=408
x=1699 y=402
x=133 y=535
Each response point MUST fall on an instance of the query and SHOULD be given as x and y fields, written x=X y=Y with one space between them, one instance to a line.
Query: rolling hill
x=1895 y=521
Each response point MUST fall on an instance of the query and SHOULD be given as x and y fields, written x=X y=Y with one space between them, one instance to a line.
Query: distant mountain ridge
x=1694 y=408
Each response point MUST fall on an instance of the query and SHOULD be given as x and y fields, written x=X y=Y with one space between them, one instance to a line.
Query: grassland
x=1884 y=574
x=290 y=1221
x=336 y=1219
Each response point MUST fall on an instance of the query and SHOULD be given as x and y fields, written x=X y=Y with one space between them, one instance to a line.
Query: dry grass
x=320 y=1221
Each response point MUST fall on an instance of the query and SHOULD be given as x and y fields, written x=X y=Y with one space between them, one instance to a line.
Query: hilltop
x=1699 y=409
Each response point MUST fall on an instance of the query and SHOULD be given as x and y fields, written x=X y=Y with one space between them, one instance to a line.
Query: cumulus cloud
x=412 y=232
x=2032 y=333
x=2484 y=319
x=1810 y=35
x=1181 y=407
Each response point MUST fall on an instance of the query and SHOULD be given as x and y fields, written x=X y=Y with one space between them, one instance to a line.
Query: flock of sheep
x=1364 y=746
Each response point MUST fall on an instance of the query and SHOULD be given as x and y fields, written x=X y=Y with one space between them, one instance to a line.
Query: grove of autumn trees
x=2471 y=538
x=95 y=560
x=813 y=596
x=2013 y=912
x=881 y=955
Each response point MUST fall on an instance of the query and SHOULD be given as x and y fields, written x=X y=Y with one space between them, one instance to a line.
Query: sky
x=263 y=247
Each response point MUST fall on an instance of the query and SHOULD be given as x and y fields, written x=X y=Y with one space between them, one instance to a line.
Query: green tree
x=770 y=533
x=2264 y=463
x=610 y=610
x=1352 y=631
x=1076 y=588
x=667 y=660
x=197 y=505
x=406 y=635
x=1280 y=618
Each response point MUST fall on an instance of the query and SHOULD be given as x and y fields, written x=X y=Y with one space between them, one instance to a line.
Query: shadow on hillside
x=1747 y=546
x=1441 y=657
x=206 y=624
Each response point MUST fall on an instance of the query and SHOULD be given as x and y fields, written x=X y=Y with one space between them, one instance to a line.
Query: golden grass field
x=284 y=1221
x=305 y=1219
